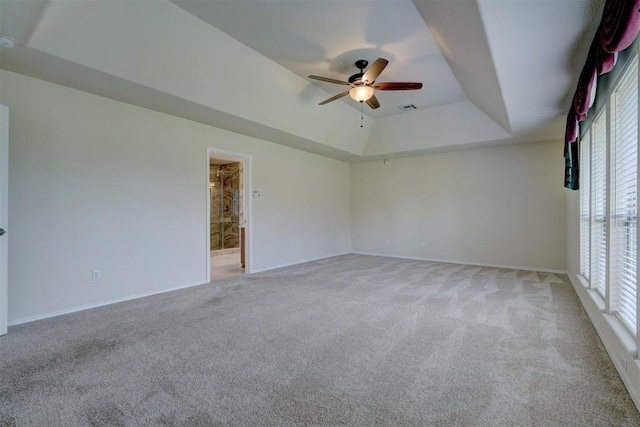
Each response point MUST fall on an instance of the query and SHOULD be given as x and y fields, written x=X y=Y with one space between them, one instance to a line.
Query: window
x=609 y=201
x=624 y=214
x=585 y=223
x=598 y=174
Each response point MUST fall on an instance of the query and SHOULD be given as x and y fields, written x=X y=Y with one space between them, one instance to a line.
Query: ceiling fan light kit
x=361 y=93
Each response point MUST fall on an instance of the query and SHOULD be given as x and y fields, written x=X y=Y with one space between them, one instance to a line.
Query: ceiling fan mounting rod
x=356 y=79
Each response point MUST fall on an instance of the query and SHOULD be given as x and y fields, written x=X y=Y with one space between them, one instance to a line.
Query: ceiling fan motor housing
x=356 y=79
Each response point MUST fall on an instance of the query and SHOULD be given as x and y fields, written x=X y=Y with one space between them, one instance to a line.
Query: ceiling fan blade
x=333 y=98
x=397 y=86
x=330 y=80
x=373 y=102
x=374 y=71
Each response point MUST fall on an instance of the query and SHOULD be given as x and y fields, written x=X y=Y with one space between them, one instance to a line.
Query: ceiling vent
x=409 y=107
x=6 y=42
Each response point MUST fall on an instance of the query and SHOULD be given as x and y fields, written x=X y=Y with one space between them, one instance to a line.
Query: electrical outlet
x=481 y=248
x=95 y=275
x=386 y=242
x=256 y=194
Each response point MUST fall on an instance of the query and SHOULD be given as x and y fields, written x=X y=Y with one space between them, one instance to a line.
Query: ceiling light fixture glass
x=361 y=93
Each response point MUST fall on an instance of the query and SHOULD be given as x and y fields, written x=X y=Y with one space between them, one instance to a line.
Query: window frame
x=606 y=109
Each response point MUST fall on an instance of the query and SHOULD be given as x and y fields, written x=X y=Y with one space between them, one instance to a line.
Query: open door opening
x=227 y=214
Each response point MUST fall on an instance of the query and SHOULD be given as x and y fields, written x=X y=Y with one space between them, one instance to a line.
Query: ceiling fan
x=363 y=83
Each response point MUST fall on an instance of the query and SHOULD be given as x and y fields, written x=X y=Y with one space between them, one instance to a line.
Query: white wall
x=99 y=184
x=508 y=199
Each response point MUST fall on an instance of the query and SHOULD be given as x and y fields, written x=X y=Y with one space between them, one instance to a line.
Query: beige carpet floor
x=355 y=340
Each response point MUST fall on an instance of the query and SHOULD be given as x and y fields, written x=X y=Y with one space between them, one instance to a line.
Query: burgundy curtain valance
x=586 y=91
x=605 y=61
x=571 y=180
x=620 y=24
x=572 y=127
x=618 y=30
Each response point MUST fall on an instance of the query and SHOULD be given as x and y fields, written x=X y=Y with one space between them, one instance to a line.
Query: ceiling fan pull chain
x=361 y=116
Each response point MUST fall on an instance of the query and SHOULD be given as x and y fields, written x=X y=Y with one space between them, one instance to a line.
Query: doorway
x=227 y=235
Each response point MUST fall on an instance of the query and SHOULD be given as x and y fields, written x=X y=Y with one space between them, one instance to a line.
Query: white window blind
x=585 y=192
x=624 y=214
x=598 y=244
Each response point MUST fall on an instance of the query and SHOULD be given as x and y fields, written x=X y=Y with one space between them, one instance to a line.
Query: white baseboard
x=146 y=294
x=302 y=261
x=99 y=304
x=617 y=341
x=510 y=267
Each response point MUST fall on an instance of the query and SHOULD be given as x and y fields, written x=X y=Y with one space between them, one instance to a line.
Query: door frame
x=4 y=222
x=245 y=159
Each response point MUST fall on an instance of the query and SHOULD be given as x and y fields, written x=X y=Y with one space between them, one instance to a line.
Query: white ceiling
x=327 y=38
x=494 y=71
